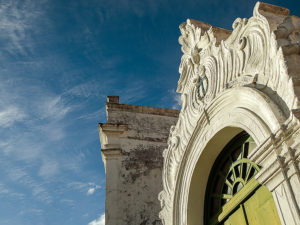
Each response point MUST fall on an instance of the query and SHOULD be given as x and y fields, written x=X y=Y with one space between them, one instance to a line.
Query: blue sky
x=58 y=62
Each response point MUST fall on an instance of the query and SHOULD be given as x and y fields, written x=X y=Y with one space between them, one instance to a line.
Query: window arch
x=233 y=196
x=232 y=171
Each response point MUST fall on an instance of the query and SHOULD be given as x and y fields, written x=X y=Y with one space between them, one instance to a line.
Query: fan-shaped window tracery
x=231 y=172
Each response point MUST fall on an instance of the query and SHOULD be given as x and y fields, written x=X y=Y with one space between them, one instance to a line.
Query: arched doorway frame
x=249 y=60
x=251 y=111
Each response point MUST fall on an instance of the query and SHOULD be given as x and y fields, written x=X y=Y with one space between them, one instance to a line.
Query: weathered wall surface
x=132 y=142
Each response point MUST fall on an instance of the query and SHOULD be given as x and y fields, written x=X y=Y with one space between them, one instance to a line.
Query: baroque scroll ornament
x=249 y=57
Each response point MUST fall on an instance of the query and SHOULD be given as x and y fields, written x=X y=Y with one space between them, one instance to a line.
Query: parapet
x=219 y=33
x=113 y=105
x=274 y=14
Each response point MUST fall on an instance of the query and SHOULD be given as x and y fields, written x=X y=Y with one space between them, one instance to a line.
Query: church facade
x=232 y=154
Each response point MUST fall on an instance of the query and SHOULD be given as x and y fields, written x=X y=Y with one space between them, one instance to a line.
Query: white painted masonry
x=245 y=80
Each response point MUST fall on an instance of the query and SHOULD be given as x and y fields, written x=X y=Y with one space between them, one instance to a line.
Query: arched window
x=231 y=183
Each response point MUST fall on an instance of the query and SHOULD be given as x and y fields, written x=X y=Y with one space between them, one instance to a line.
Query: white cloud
x=91 y=191
x=10 y=115
x=99 y=221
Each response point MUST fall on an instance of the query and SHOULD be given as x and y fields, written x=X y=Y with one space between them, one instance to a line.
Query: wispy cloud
x=51 y=111
x=135 y=91
x=99 y=221
x=53 y=108
x=5 y=191
x=32 y=211
x=176 y=98
x=69 y=202
x=93 y=87
x=137 y=8
x=40 y=193
x=87 y=89
x=49 y=168
x=172 y=99
x=78 y=158
x=21 y=176
x=88 y=188
x=16 y=19
x=98 y=114
x=10 y=115
x=31 y=147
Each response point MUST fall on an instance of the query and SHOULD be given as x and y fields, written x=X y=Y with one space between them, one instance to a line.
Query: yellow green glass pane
x=260 y=208
x=237 y=218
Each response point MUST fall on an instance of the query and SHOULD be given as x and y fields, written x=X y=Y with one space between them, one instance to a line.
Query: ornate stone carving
x=250 y=56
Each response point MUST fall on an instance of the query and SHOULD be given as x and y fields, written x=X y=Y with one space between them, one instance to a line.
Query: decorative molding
x=109 y=137
x=111 y=153
x=249 y=60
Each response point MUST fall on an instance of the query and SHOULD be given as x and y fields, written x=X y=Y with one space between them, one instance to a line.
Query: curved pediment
x=254 y=53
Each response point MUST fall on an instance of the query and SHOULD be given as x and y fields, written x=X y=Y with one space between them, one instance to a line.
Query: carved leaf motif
x=194 y=46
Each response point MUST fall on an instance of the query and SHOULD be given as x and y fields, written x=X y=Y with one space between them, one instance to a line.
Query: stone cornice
x=111 y=153
x=113 y=128
x=142 y=109
x=109 y=135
